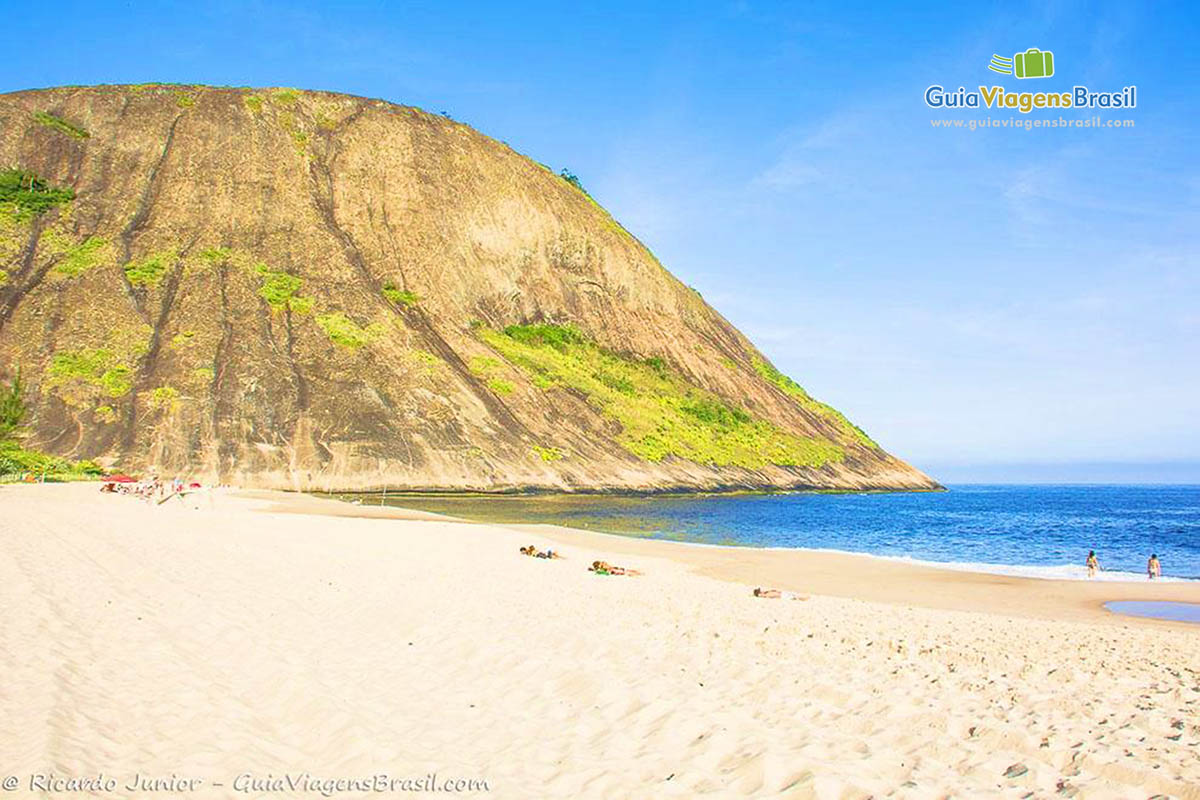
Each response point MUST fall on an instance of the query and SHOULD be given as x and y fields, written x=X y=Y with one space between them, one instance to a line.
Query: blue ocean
x=1032 y=530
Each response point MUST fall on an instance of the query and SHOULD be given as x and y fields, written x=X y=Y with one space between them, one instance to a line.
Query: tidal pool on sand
x=1156 y=609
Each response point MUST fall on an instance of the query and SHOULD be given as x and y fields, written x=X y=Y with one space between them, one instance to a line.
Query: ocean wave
x=1049 y=572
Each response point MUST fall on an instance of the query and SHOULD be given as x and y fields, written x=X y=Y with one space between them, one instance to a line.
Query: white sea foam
x=1049 y=572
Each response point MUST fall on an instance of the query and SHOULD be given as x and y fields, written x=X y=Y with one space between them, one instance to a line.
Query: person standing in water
x=1093 y=564
x=1153 y=568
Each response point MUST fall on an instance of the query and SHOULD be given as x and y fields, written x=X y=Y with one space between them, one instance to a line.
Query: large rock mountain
x=310 y=290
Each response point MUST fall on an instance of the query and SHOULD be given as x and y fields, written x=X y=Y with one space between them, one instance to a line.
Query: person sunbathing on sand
x=775 y=594
x=605 y=568
x=535 y=553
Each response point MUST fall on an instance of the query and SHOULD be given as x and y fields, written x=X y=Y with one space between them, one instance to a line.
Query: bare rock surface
x=296 y=289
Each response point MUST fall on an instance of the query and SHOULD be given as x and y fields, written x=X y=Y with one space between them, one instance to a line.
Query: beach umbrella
x=120 y=479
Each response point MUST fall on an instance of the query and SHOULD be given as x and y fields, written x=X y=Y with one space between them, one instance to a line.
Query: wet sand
x=848 y=575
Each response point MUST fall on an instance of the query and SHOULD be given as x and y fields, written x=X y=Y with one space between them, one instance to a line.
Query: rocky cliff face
x=309 y=290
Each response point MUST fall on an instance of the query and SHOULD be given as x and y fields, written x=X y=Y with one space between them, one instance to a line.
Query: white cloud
x=788 y=174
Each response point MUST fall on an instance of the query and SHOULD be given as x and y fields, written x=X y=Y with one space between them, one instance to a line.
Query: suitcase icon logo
x=1033 y=63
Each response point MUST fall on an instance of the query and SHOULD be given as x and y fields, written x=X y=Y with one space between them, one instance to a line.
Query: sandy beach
x=261 y=637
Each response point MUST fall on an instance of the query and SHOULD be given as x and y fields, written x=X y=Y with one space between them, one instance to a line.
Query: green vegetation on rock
x=287 y=120
x=795 y=390
x=427 y=358
x=660 y=414
x=98 y=367
x=165 y=398
x=278 y=287
x=78 y=259
x=3 y=277
x=215 y=255
x=29 y=195
x=341 y=330
x=78 y=374
x=12 y=233
x=281 y=291
x=424 y=363
x=150 y=270
x=12 y=407
x=483 y=365
x=60 y=125
x=573 y=179
x=401 y=297
x=548 y=453
x=300 y=305
x=657 y=364
x=15 y=460
x=285 y=97
x=254 y=102
x=487 y=368
x=560 y=337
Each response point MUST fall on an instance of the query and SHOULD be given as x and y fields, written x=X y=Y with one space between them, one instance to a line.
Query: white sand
x=216 y=642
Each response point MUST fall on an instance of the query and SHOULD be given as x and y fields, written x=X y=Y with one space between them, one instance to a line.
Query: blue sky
x=997 y=304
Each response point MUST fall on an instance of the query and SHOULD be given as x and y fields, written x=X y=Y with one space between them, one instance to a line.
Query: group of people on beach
x=1153 y=566
x=597 y=567
x=605 y=568
x=150 y=488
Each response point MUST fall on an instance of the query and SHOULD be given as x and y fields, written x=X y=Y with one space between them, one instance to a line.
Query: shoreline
x=726 y=490
x=978 y=568
x=477 y=510
x=855 y=576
